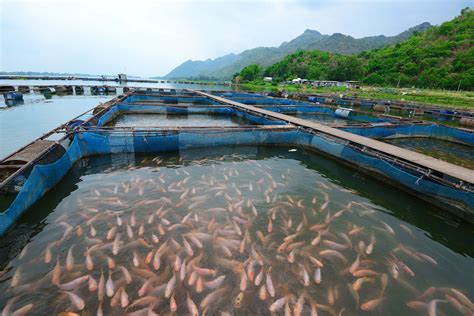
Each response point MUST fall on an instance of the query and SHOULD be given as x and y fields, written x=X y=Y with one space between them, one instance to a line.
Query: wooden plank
x=31 y=152
x=428 y=162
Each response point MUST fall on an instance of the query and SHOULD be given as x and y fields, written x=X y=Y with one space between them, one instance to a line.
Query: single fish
x=109 y=286
x=370 y=246
x=262 y=293
x=48 y=255
x=89 y=262
x=116 y=244
x=298 y=308
x=126 y=274
x=188 y=248
x=212 y=297
x=192 y=308
x=92 y=231
x=269 y=283
x=259 y=278
x=182 y=271
x=457 y=305
x=355 y=265
x=170 y=286
x=101 y=287
x=92 y=284
x=6 y=311
x=70 y=259
x=23 y=310
x=463 y=298
x=56 y=277
x=278 y=304
x=173 y=304
x=123 y=298
x=213 y=284
x=356 y=286
x=270 y=226
x=145 y=287
x=427 y=258
x=317 y=275
x=372 y=304
x=199 y=286
x=432 y=306
x=73 y=284
x=329 y=253
x=243 y=281
x=111 y=233
x=76 y=300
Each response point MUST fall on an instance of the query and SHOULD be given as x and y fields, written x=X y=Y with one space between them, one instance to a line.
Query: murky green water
x=220 y=229
x=166 y=120
x=326 y=119
x=458 y=154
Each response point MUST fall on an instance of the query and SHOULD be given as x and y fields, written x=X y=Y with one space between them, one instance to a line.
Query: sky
x=151 y=37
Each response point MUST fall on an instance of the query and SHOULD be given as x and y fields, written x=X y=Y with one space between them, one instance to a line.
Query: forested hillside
x=224 y=67
x=440 y=57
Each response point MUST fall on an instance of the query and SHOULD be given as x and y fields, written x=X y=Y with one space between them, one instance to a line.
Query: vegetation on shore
x=445 y=98
x=442 y=57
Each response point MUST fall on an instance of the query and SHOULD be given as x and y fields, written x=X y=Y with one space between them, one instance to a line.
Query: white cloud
x=151 y=37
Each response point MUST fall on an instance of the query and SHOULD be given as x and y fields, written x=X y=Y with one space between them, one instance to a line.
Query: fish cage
x=273 y=213
x=188 y=115
x=449 y=190
x=440 y=141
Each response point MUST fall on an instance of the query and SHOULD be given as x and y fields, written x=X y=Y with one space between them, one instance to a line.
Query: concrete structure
x=122 y=77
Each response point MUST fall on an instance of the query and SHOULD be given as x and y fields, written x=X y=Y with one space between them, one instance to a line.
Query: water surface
x=328 y=119
x=238 y=216
x=167 y=120
x=458 y=154
x=25 y=122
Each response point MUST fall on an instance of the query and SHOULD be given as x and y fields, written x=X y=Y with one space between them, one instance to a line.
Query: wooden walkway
x=455 y=171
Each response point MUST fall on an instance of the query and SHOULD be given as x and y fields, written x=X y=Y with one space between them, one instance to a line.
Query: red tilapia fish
x=222 y=236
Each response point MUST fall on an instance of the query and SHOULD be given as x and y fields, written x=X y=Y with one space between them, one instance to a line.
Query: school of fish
x=219 y=236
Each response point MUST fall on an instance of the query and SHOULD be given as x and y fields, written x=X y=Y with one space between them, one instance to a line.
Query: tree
x=349 y=68
x=250 y=73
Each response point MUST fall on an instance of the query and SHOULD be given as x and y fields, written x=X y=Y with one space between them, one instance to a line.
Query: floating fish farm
x=229 y=203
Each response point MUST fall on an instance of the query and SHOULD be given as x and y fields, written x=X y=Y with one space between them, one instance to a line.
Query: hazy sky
x=151 y=37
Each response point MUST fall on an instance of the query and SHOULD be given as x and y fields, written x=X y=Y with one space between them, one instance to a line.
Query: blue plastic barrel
x=13 y=95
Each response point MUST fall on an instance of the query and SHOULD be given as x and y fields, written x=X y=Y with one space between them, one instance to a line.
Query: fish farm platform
x=423 y=161
x=225 y=203
x=262 y=122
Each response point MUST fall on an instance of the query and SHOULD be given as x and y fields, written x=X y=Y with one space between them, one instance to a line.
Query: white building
x=122 y=77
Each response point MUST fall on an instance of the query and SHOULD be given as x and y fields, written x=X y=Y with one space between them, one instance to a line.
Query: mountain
x=440 y=57
x=191 y=69
x=224 y=67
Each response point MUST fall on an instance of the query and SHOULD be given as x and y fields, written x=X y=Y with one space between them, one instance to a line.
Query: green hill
x=224 y=67
x=440 y=57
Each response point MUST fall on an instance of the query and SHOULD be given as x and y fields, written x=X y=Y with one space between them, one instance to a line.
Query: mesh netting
x=45 y=177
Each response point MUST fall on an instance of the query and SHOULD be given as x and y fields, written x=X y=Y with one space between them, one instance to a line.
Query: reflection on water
x=458 y=154
x=165 y=120
x=245 y=230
